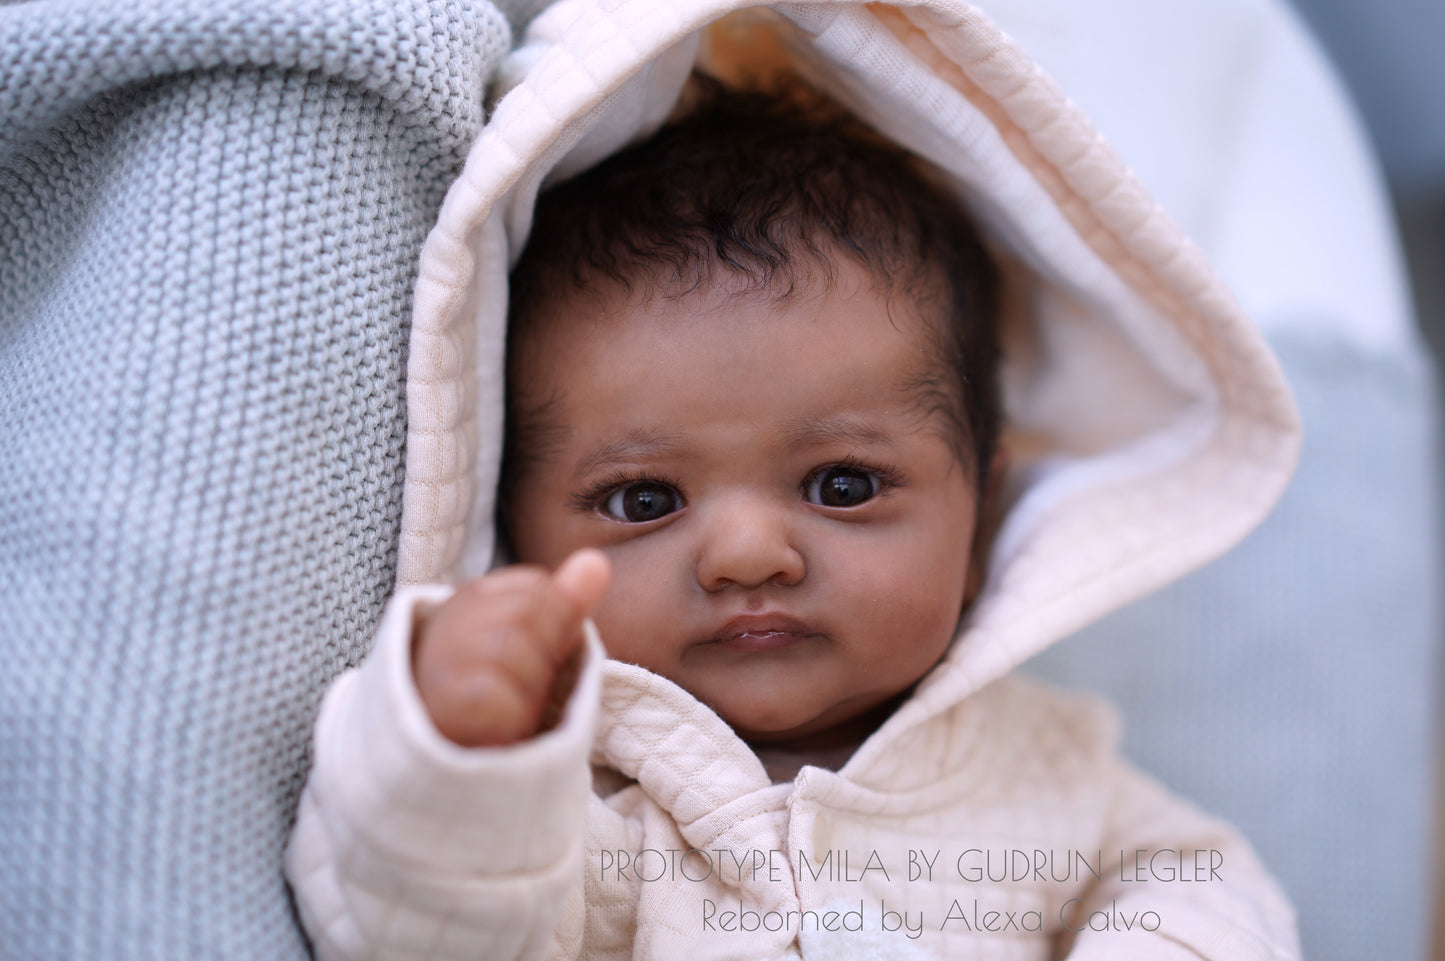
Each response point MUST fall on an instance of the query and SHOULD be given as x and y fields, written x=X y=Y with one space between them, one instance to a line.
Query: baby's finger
x=520 y=607
x=489 y=710
x=583 y=578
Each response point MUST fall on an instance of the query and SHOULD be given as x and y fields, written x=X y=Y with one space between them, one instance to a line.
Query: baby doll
x=753 y=423
x=761 y=377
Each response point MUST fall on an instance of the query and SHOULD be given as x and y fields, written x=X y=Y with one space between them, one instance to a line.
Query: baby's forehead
x=561 y=342
x=726 y=330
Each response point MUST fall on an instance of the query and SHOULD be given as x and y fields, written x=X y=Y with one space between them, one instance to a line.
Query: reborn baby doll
x=733 y=384
x=753 y=417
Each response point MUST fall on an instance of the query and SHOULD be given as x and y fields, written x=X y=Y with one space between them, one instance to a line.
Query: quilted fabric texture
x=409 y=847
x=210 y=214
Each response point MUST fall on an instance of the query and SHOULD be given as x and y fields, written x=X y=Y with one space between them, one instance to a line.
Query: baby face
x=788 y=521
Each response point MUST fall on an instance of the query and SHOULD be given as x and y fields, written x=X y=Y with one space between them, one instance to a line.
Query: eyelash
x=591 y=499
x=889 y=477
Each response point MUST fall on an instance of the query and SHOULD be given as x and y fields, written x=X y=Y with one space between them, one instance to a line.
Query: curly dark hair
x=772 y=189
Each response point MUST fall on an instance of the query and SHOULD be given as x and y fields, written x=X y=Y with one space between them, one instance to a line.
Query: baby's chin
x=824 y=732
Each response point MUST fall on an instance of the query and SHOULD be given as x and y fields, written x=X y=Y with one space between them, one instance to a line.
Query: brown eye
x=841 y=486
x=641 y=501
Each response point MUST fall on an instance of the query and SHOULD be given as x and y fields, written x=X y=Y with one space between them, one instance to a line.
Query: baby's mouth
x=762 y=632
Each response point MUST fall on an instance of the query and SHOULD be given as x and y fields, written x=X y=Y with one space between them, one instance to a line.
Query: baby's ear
x=987 y=518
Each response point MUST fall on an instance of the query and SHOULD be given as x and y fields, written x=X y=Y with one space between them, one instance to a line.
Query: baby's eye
x=641 y=501
x=841 y=486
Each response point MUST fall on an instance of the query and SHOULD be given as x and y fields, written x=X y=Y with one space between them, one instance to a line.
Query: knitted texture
x=210 y=213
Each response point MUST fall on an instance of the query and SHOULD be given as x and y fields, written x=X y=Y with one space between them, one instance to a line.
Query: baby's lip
x=762 y=632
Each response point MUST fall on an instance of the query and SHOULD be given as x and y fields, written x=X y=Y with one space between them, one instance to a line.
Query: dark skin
x=810 y=550
x=487 y=661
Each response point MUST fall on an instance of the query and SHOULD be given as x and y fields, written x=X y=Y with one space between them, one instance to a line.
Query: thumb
x=583 y=578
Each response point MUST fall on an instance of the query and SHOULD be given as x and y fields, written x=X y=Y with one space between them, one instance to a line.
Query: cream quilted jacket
x=988 y=817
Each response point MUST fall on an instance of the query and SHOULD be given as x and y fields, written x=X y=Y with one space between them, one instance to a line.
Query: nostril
x=779 y=564
x=746 y=542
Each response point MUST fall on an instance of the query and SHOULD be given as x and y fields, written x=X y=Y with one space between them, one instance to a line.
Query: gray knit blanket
x=210 y=216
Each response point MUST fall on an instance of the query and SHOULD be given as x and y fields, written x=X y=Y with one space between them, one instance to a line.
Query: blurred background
x=1388 y=53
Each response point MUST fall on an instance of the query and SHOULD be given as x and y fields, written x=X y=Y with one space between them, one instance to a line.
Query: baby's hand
x=488 y=660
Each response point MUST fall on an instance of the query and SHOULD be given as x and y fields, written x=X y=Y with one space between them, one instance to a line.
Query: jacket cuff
x=384 y=769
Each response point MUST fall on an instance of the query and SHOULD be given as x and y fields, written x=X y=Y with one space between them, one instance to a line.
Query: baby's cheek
x=921 y=601
x=634 y=615
x=617 y=630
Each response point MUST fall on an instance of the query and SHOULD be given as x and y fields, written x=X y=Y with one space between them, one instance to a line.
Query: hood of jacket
x=1149 y=427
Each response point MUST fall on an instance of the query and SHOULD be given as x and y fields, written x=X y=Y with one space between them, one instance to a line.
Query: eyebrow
x=842 y=428
x=629 y=448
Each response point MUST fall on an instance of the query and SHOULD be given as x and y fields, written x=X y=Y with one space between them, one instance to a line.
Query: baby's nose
x=747 y=543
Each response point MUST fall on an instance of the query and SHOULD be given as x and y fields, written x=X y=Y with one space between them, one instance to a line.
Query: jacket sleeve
x=1177 y=884
x=407 y=846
